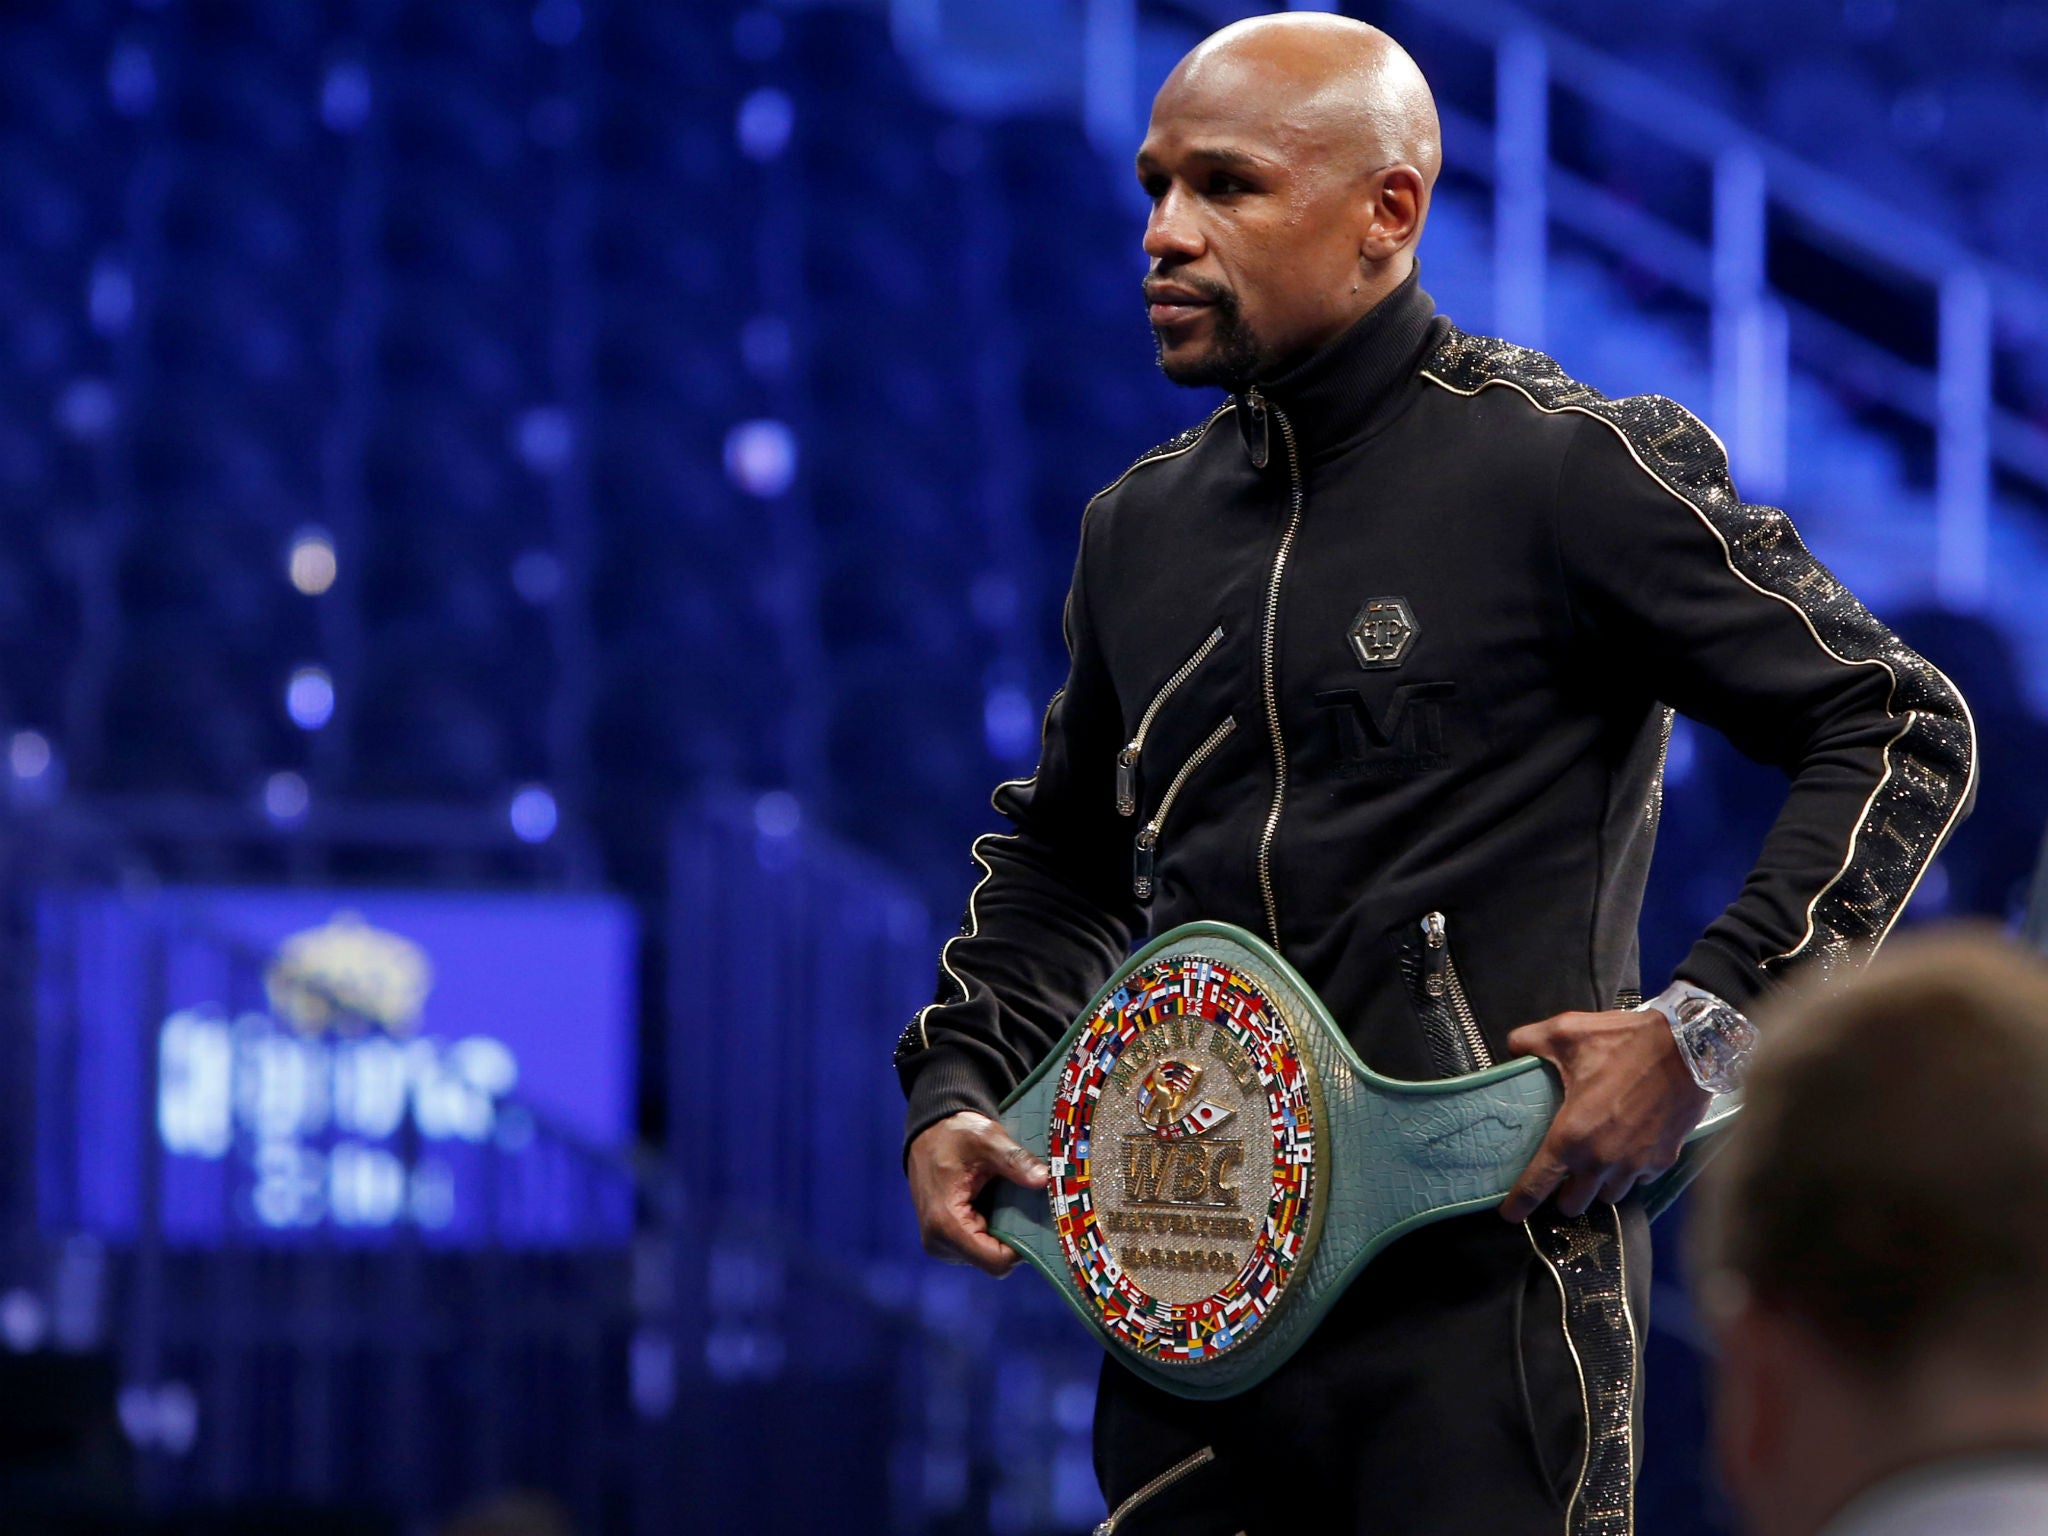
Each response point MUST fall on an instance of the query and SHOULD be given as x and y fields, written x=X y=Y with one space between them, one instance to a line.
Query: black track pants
x=1441 y=1395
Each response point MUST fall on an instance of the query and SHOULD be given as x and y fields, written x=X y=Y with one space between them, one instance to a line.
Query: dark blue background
x=699 y=401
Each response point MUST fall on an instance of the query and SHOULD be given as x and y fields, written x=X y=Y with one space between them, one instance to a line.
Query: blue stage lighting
x=36 y=772
x=537 y=577
x=778 y=814
x=29 y=755
x=545 y=437
x=761 y=457
x=345 y=96
x=312 y=565
x=533 y=814
x=131 y=79
x=162 y=1417
x=1010 y=723
x=86 y=408
x=111 y=298
x=286 y=798
x=24 y=1320
x=765 y=120
x=309 y=698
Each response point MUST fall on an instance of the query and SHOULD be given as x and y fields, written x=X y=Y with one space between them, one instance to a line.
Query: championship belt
x=1223 y=1164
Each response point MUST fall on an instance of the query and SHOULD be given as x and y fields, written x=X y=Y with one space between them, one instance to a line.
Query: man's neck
x=1378 y=284
x=1866 y=1440
x=1343 y=391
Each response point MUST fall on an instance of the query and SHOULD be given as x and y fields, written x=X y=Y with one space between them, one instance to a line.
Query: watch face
x=1695 y=1010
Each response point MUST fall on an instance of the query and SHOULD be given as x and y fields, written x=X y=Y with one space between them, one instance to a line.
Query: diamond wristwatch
x=1714 y=1039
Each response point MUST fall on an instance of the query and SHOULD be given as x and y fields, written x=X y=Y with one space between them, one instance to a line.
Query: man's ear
x=1400 y=198
x=1750 y=1401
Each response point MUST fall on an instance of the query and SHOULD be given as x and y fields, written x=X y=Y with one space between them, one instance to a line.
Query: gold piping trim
x=1635 y=1364
x=1969 y=789
x=1635 y=1367
x=1156 y=455
x=974 y=848
x=1564 y=1326
x=1728 y=558
x=987 y=872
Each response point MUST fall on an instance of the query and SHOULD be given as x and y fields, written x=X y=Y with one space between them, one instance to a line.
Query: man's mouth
x=1167 y=304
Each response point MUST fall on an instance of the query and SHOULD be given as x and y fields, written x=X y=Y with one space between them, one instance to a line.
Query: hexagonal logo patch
x=1383 y=633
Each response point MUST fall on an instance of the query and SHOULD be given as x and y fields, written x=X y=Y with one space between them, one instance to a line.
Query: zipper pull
x=1127 y=782
x=1436 y=953
x=1252 y=427
x=1141 y=861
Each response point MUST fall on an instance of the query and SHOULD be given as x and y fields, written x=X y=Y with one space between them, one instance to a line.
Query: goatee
x=1234 y=358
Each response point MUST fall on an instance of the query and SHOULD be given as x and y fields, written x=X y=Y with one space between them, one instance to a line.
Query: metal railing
x=1757 y=331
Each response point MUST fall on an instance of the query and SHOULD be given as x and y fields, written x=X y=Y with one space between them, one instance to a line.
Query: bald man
x=1378 y=661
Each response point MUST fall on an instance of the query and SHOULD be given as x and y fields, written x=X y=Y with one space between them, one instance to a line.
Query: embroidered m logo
x=1407 y=739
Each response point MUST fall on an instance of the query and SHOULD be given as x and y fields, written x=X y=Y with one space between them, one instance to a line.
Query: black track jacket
x=1399 y=633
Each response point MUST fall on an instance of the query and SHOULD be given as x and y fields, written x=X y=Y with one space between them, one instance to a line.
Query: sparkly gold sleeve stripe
x=916 y=1034
x=1172 y=448
x=1929 y=765
x=1587 y=1257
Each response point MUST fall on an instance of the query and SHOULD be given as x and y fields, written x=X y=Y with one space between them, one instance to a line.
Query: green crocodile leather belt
x=1223 y=1164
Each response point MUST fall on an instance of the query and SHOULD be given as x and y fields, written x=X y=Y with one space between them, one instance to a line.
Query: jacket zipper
x=1127 y=760
x=1158 y=1485
x=1258 y=405
x=1143 y=850
x=1440 y=981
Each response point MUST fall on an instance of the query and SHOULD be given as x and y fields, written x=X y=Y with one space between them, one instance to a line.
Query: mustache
x=1206 y=289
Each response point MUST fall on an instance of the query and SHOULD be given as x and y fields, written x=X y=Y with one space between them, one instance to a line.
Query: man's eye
x=1155 y=186
x=1221 y=185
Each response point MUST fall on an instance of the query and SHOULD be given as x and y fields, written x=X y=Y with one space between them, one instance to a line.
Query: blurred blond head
x=1872 y=1248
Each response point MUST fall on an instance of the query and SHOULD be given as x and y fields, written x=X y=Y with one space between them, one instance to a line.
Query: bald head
x=1333 y=86
x=1289 y=160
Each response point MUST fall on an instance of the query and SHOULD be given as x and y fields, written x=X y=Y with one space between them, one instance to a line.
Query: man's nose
x=1171 y=230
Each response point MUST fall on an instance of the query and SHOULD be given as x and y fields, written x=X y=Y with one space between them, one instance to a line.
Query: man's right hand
x=950 y=1162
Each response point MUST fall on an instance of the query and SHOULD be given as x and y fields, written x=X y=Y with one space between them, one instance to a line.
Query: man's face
x=1255 y=233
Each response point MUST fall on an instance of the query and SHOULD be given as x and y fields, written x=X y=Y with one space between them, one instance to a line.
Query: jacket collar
x=1341 y=391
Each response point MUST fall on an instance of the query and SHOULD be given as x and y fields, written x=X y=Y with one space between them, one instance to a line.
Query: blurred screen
x=298 y=1065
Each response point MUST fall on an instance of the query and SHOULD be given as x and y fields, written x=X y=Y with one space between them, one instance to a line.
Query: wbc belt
x=1224 y=1165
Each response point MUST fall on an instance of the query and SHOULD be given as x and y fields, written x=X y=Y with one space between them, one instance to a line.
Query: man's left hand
x=1628 y=1103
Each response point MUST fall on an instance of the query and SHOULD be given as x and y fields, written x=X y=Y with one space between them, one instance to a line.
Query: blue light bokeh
x=632 y=451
